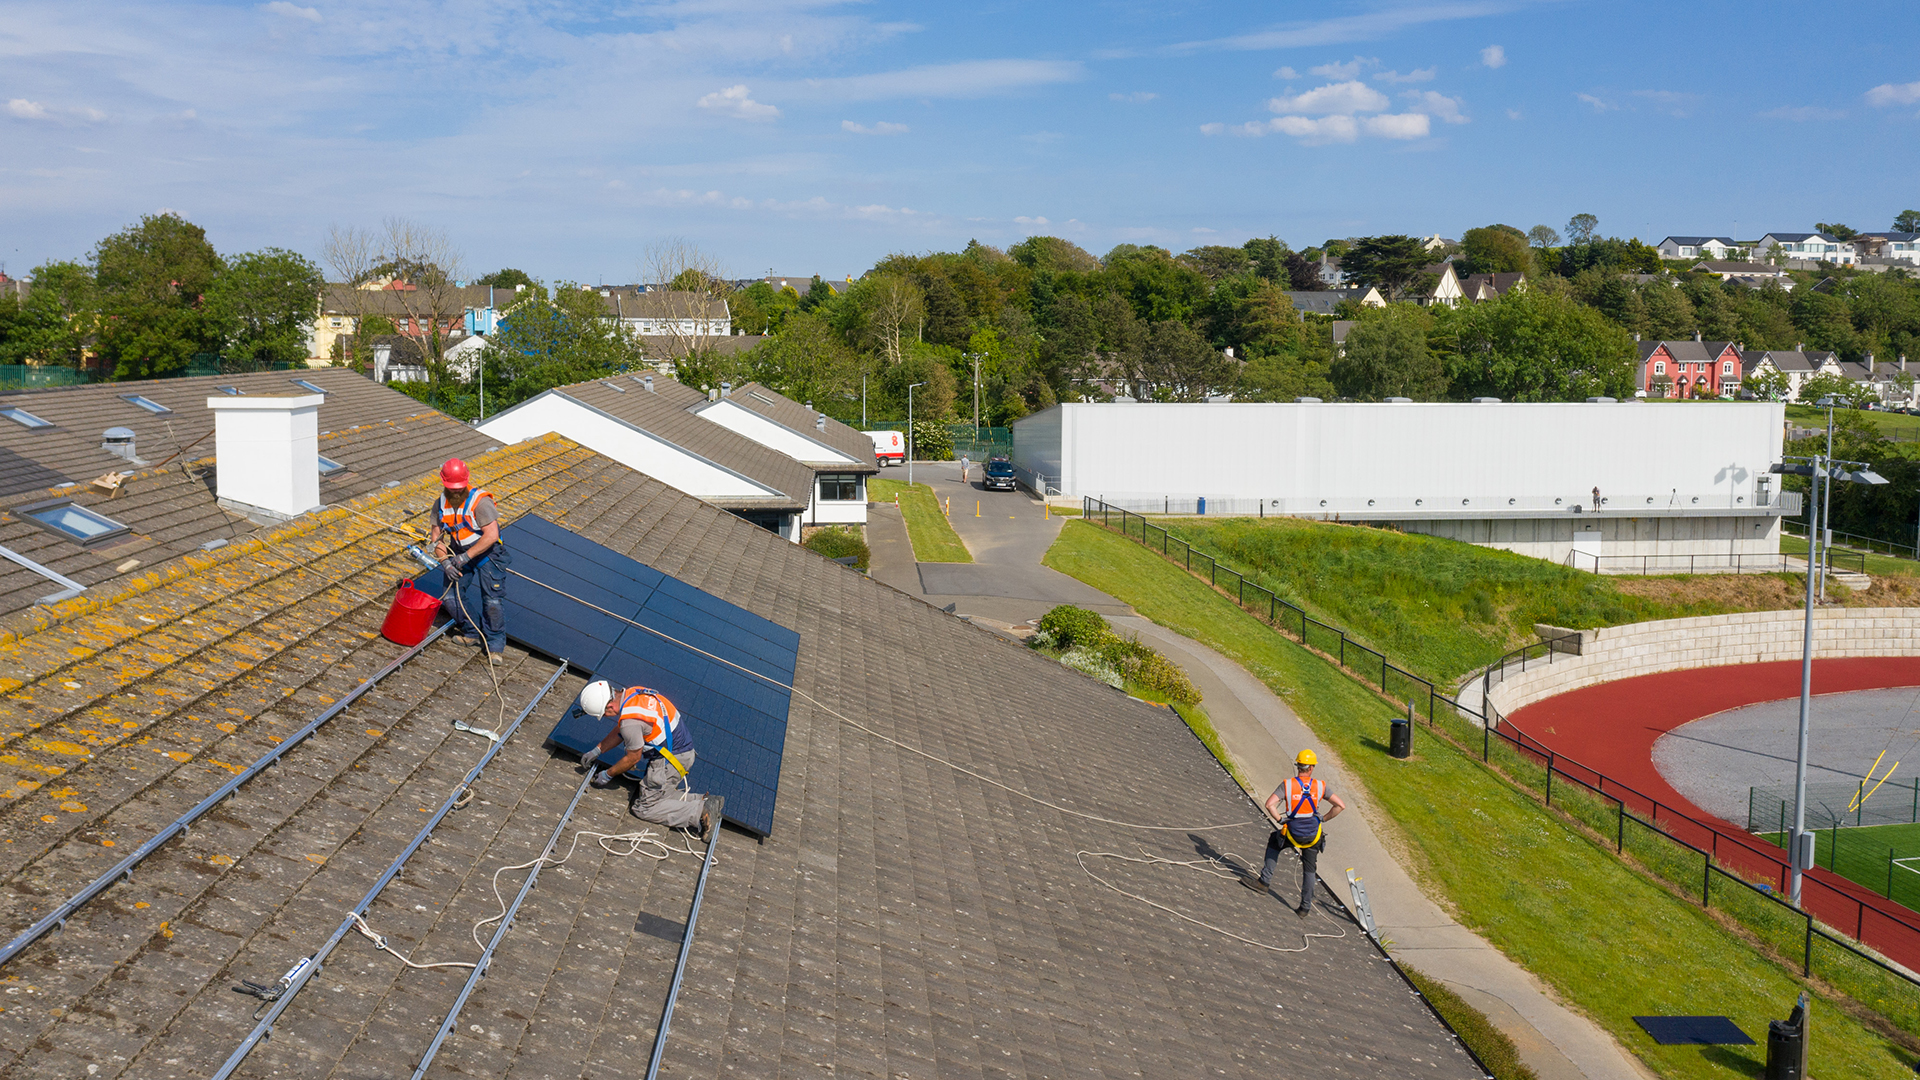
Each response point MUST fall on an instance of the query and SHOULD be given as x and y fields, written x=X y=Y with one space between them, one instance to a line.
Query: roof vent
x=1307 y=400
x=1486 y=401
x=118 y=441
x=1601 y=401
x=820 y=422
x=726 y=389
x=1398 y=400
x=647 y=381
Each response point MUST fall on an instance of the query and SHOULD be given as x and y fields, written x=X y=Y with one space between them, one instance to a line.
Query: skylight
x=24 y=418
x=328 y=466
x=74 y=522
x=146 y=403
x=305 y=385
x=233 y=391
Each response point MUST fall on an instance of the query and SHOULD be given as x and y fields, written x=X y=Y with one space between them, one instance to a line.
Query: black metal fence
x=1737 y=874
x=1863 y=543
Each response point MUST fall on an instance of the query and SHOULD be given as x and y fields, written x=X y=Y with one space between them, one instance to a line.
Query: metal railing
x=1767 y=563
x=1870 y=544
x=1726 y=854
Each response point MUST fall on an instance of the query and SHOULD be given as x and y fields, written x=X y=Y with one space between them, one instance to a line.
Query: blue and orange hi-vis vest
x=457 y=521
x=1303 y=810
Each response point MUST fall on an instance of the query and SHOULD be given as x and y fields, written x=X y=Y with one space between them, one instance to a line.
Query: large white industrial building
x=1675 y=479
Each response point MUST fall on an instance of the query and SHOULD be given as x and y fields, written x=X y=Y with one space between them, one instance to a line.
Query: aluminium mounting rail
x=305 y=971
x=124 y=868
x=680 y=965
x=506 y=923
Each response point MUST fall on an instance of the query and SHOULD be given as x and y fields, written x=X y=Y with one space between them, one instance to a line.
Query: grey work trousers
x=1309 y=864
x=663 y=797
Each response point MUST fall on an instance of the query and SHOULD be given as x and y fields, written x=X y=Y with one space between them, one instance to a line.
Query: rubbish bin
x=1787 y=1045
x=1203 y=506
x=1400 y=737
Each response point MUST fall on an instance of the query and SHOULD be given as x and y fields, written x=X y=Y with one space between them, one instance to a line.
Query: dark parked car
x=999 y=474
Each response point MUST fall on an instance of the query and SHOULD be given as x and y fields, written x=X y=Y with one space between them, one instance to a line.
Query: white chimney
x=268 y=451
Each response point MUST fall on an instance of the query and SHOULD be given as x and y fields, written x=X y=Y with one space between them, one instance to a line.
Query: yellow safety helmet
x=1306 y=759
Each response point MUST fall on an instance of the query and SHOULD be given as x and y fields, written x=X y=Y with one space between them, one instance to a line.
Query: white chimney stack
x=268 y=450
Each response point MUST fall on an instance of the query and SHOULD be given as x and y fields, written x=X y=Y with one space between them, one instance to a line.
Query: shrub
x=1069 y=627
x=1090 y=663
x=931 y=441
x=1144 y=667
x=838 y=542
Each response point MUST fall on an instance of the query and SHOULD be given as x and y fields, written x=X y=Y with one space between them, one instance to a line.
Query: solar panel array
x=738 y=722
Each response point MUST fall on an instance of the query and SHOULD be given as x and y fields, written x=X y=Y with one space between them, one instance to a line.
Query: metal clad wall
x=1395 y=453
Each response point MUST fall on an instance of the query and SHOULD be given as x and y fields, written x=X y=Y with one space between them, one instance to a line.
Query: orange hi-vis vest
x=457 y=521
x=1303 y=810
x=658 y=718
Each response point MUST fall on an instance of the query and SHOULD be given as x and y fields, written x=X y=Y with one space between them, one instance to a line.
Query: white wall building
x=842 y=458
x=1675 y=479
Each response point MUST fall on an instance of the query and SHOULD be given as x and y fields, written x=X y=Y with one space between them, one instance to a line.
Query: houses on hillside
x=1697 y=369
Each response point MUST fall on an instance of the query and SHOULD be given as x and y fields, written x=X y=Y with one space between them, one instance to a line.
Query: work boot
x=710 y=815
x=1303 y=910
x=1255 y=884
x=497 y=657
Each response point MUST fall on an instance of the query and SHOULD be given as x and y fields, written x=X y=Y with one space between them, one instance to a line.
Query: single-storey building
x=841 y=457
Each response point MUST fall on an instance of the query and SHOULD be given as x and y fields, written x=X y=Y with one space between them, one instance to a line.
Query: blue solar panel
x=738 y=722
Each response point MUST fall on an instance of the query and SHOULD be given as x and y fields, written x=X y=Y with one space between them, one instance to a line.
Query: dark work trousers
x=1309 y=863
x=482 y=588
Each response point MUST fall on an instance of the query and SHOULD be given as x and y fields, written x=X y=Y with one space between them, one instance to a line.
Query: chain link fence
x=1836 y=805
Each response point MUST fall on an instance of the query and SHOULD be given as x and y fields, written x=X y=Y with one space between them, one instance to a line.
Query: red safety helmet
x=453 y=474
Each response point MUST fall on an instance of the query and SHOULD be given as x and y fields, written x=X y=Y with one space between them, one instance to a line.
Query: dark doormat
x=1693 y=1031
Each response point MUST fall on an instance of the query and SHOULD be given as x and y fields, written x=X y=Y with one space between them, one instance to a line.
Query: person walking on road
x=965 y=463
x=1300 y=807
x=652 y=730
x=466 y=540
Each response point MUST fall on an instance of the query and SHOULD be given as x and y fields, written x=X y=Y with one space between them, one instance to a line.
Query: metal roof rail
x=124 y=868
x=303 y=972
x=680 y=965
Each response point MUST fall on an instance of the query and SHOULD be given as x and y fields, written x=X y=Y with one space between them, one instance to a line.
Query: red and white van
x=889 y=447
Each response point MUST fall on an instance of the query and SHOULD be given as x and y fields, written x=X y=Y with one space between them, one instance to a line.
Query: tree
x=1669 y=312
x=421 y=266
x=1907 y=221
x=1386 y=355
x=1396 y=264
x=1303 y=274
x=1543 y=237
x=807 y=361
x=1495 y=249
x=1843 y=390
x=1215 y=262
x=696 y=293
x=1050 y=253
x=1580 y=228
x=1535 y=345
x=883 y=311
x=1768 y=384
x=1251 y=316
x=543 y=343
x=150 y=279
x=1836 y=230
x=509 y=278
x=56 y=323
x=261 y=306
x=1268 y=258
x=1177 y=364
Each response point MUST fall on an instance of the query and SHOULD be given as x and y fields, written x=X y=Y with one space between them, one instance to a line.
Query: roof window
x=146 y=403
x=305 y=385
x=328 y=466
x=24 y=418
x=231 y=391
x=73 y=521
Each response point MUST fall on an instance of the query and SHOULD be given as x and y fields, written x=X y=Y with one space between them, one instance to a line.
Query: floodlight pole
x=1826 y=509
x=910 y=446
x=863 y=400
x=1798 y=842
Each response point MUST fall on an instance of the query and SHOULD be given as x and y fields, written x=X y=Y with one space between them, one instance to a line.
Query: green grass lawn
x=1866 y=856
x=1848 y=558
x=1438 y=607
x=1607 y=938
x=927 y=526
x=1893 y=425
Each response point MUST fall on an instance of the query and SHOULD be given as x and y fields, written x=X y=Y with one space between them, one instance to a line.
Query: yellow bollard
x=976 y=508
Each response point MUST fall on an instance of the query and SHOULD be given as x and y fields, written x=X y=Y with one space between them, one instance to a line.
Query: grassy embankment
x=1606 y=936
x=1893 y=425
x=1866 y=855
x=927 y=526
x=1848 y=558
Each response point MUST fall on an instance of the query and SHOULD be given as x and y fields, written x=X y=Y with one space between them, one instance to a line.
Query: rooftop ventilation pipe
x=268 y=448
x=118 y=441
x=820 y=422
x=726 y=389
x=647 y=382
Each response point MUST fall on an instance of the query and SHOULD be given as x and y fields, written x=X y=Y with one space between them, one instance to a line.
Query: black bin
x=1787 y=1045
x=1400 y=737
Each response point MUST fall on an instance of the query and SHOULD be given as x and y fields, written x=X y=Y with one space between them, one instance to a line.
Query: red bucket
x=410 y=617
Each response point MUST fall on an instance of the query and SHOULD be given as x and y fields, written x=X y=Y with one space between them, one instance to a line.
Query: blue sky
x=817 y=136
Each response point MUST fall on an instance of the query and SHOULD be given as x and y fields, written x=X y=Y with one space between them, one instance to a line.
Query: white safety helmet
x=594 y=697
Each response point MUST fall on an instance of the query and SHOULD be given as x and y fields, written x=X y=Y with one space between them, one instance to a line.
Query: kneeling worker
x=1300 y=807
x=652 y=730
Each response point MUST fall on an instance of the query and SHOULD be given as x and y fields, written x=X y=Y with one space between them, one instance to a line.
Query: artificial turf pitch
x=1883 y=858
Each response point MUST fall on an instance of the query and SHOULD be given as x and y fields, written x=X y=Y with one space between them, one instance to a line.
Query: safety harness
x=458 y=524
x=1303 y=827
x=669 y=724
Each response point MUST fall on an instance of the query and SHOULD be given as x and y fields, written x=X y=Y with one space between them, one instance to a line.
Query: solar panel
x=739 y=723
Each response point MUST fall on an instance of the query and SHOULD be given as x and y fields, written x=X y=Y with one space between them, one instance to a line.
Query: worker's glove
x=451 y=569
x=463 y=560
x=589 y=757
x=600 y=778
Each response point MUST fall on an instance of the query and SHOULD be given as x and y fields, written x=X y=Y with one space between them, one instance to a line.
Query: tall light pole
x=976 y=358
x=910 y=447
x=1821 y=471
x=863 y=400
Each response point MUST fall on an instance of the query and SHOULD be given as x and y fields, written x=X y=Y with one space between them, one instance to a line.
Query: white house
x=1697 y=247
x=1808 y=246
x=1676 y=479
x=1888 y=247
x=842 y=458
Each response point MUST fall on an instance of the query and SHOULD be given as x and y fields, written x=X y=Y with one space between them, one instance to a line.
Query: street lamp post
x=910 y=446
x=976 y=358
x=863 y=400
x=1821 y=471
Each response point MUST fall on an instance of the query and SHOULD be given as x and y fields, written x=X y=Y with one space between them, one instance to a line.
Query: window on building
x=336 y=323
x=146 y=403
x=74 y=522
x=25 y=418
x=1659 y=367
x=328 y=466
x=1726 y=367
x=840 y=487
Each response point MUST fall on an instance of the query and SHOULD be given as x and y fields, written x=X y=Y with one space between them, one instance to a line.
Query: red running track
x=1611 y=729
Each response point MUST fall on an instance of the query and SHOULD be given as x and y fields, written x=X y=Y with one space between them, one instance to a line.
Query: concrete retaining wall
x=1755 y=637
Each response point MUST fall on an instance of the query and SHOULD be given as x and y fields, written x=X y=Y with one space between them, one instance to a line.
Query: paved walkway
x=1261 y=734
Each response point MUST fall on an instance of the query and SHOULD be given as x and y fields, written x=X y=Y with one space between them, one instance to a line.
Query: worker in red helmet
x=466 y=540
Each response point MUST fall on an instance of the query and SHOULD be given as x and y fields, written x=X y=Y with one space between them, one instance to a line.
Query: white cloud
x=970 y=78
x=27 y=110
x=1434 y=103
x=1032 y=221
x=1599 y=106
x=1513 y=114
x=1802 y=113
x=1344 y=69
x=1135 y=98
x=1214 y=128
x=1425 y=74
x=1494 y=56
x=880 y=128
x=1894 y=94
x=1316 y=132
x=1285 y=73
x=1352 y=27
x=1397 y=125
x=734 y=101
x=36 y=110
x=292 y=11
x=1341 y=97
x=1203 y=229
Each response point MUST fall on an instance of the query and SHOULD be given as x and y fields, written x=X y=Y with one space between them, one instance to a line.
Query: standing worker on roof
x=1301 y=806
x=652 y=730
x=466 y=540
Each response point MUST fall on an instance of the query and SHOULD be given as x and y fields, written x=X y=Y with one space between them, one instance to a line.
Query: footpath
x=1006 y=586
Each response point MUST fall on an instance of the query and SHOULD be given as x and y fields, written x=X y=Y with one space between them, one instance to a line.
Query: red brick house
x=1684 y=369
